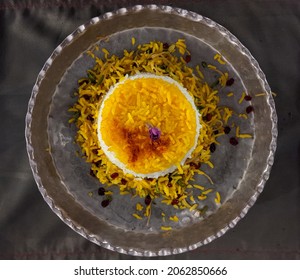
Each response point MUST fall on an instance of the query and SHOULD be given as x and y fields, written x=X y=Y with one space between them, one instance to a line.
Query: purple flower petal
x=154 y=133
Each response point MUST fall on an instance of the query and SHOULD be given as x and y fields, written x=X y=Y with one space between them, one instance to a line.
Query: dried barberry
x=187 y=58
x=208 y=117
x=175 y=201
x=230 y=82
x=249 y=109
x=114 y=175
x=165 y=46
x=212 y=147
x=92 y=173
x=248 y=98
x=148 y=199
x=123 y=181
x=233 y=141
x=227 y=129
x=105 y=203
x=101 y=191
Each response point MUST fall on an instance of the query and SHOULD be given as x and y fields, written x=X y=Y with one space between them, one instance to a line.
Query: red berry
x=249 y=109
x=165 y=46
x=187 y=58
x=227 y=129
x=101 y=191
x=175 y=201
x=123 y=181
x=212 y=147
x=208 y=117
x=230 y=82
x=148 y=199
x=105 y=203
x=114 y=175
x=92 y=173
x=233 y=141
x=248 y=97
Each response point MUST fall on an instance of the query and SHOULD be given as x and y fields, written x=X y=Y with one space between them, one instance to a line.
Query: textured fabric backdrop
x=29 y=32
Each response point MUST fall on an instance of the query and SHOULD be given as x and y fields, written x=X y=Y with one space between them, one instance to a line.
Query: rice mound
x=134 y=105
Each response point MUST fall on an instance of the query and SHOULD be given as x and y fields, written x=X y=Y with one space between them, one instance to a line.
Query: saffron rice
x=176 y=186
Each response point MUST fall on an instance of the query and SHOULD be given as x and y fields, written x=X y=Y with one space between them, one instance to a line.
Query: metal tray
x=63 y=178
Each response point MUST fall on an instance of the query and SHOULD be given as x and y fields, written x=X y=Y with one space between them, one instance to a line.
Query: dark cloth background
x=29 y=32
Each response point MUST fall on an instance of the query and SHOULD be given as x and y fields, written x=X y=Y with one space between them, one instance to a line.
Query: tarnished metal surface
x=63 y=178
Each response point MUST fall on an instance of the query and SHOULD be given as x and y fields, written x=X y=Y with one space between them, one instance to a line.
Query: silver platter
x=63 y=178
